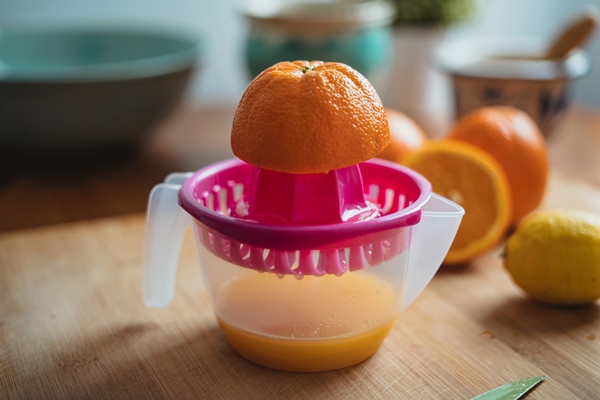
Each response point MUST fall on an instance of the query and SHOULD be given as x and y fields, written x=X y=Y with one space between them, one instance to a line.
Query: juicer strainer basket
x=215 y=196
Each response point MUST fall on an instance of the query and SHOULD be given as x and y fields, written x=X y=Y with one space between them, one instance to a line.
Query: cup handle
x=166 y=223
x=431 y=239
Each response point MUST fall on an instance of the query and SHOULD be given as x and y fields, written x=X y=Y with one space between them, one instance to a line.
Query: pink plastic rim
x=217 y=182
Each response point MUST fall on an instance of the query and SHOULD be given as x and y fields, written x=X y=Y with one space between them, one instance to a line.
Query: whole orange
x=406 y=137
x=309 y=117
x=511 y=137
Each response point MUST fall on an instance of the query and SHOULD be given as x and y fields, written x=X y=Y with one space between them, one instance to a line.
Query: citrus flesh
x=470 y=177
x=554 y=256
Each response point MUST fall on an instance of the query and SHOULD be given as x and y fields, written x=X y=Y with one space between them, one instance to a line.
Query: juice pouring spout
x=431 y=239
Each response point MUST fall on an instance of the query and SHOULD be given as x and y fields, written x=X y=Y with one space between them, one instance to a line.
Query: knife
x=511 y=391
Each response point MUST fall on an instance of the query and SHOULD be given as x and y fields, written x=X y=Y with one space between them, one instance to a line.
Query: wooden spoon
x=573 y=35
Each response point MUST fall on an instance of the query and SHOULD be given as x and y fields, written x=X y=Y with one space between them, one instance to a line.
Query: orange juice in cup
x=307 y=328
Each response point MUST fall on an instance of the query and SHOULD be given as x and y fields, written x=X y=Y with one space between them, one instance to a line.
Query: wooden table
x=73 y=324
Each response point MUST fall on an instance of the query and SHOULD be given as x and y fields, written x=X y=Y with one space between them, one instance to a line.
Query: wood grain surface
x=73 y=326
x=45 y=193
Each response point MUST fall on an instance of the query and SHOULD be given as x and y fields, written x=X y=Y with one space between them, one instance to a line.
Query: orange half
x=309 y=117
x=470 y=177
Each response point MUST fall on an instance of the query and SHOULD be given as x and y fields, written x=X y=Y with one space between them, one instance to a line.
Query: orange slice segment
x=470 y=177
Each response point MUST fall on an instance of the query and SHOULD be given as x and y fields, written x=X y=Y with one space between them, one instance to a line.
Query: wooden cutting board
x=73 y=325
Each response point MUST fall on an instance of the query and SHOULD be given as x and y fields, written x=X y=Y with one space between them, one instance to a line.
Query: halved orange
x=470 y=177
x=309 y=117
x=516 y=143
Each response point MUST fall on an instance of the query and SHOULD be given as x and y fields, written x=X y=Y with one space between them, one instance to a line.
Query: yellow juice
x=312 y=324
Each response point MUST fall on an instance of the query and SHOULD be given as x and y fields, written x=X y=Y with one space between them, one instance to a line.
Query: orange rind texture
x=309 y=117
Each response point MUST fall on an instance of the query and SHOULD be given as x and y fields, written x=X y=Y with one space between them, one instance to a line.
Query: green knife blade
x=511 y=391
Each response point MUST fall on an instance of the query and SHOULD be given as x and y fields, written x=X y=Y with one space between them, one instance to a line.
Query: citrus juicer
x=320 y=250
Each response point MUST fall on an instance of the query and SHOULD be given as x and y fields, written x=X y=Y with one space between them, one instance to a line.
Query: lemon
x=554 y=256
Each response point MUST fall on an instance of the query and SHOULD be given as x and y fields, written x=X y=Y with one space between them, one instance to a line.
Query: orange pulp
x=312 y=324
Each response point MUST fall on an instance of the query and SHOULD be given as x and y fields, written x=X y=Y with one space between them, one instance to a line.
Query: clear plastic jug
x=300 y=298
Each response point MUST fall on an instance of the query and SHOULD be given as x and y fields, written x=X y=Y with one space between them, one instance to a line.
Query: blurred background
x=91 y=97
x=223 y=27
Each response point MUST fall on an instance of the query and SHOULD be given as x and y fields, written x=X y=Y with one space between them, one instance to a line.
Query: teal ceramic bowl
x=74 y=92
x=355 y=32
